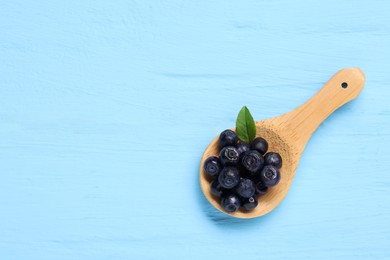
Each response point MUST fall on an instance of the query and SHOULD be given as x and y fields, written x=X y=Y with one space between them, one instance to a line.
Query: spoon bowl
x=288 y=134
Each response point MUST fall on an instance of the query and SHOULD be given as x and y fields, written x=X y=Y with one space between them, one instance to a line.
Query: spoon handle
x=343 y=87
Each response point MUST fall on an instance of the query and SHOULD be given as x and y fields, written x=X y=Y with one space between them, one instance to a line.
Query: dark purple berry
x=216 y=188
x=229 y=177
x=270 y=175
x=252 y=161
x=212 y=166
x=261 y=189
x=242 y=148
x=229 y=156
x=250 y=203
x=246 y=188
x=260 y=145
x=273 y=159
x=231 y=203
x=228 y=138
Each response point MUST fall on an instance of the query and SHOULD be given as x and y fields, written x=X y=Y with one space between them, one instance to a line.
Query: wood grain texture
x=107 y=106
x=287 y=135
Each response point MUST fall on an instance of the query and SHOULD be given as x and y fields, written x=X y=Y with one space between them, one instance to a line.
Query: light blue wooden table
x=107 y=106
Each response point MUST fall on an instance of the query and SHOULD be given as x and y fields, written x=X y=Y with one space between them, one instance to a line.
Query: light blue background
x=107 y=106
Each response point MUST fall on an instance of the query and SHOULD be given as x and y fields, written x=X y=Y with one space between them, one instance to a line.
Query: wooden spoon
x=288 y=134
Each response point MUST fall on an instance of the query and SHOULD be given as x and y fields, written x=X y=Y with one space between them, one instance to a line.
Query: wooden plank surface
x=107 y=106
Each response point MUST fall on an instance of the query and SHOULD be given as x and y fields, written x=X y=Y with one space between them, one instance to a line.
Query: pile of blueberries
x=242 y=172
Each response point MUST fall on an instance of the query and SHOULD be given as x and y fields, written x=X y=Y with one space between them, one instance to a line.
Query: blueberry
x=270 y=175
x=216 y=188
x=250 y=203
x=261 y=189
x=242 y=148
x=260 y=145
x=231 y=203
x=229 y=156
x=228 y=138
x=252 y=161
x=273 y=159
x=212 y=166
x=246 y=188
x=229 y=177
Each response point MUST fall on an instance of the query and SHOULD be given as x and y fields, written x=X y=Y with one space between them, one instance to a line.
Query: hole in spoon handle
x=343 y=87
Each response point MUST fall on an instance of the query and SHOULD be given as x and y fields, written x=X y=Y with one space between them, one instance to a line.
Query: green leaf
x=245 y=126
